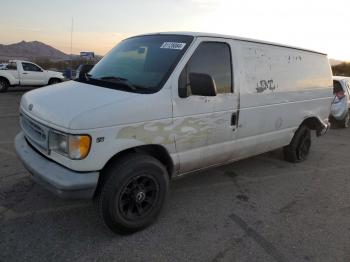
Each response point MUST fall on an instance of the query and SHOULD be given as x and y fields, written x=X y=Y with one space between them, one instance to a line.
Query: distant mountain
x=30 y=50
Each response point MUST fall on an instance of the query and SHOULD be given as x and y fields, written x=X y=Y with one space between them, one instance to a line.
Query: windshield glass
x=140 y=64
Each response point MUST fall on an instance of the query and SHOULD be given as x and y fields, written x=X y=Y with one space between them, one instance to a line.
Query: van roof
x=201 y=34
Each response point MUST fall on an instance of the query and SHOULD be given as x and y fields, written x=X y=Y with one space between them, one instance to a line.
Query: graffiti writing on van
x=263 y=85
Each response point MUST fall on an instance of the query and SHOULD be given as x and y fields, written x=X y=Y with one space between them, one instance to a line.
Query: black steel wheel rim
x=304 y=146
x=138 y=197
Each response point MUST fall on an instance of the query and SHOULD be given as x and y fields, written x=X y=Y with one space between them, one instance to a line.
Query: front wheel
x=54 y=81
x=132 y=194
x=299 y=148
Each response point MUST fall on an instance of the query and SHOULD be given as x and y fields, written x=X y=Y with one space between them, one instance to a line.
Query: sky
x=99 y=25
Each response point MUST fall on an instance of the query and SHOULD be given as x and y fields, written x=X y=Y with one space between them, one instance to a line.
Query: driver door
x=205 y=125
x=32 y=74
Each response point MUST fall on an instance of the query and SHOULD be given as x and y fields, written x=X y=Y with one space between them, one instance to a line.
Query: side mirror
x=202 y=85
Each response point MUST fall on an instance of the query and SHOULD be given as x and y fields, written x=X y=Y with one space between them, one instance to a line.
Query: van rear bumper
x=61 y=181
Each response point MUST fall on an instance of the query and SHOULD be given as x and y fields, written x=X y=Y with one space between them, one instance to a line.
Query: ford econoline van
x=163 y=105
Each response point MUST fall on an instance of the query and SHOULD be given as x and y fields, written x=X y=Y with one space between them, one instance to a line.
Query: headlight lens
x=72 y=146
x=58 y=142
x=79 y=146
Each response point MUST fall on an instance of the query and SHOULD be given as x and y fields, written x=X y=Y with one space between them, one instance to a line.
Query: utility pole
x=71 y=49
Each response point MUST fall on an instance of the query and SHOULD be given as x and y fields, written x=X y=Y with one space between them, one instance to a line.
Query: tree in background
x=342 y=69
x=63 y=64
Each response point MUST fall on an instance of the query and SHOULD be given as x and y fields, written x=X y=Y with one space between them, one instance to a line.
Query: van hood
x=64 y=103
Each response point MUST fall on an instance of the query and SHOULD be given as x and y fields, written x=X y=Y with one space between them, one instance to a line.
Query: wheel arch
x=314 y=123
x=157 y=151
x=7 y=80
x=54 y=78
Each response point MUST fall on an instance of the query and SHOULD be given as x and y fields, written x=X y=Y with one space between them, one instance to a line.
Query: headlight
x=58 y=142
x=79 y=146
x=72 y=146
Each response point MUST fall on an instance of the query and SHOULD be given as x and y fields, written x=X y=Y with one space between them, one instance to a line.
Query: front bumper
x=60 y=180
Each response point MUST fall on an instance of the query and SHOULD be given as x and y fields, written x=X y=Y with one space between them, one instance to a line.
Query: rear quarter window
x=11 y=66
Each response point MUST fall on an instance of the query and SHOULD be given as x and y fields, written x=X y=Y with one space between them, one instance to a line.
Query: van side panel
x=279 y=88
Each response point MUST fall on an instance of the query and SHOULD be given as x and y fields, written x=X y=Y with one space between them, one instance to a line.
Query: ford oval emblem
x=30 y=107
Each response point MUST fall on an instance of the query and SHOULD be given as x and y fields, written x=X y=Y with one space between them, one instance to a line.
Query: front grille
x=36 y=133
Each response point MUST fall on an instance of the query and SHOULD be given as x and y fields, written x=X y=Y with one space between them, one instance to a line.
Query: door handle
x=234 y=119
x=24 y=73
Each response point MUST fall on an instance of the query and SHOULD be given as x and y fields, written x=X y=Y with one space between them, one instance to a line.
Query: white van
x=163 y=105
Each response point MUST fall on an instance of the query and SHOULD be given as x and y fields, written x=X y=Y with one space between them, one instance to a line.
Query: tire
x=3 y=85
x=333 y=122
x=345 y=123
x=54 y=81
x=132 y=194
x=299 y=147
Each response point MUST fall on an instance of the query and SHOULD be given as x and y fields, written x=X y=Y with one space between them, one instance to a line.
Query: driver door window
x=31 y=67
x=211 y=58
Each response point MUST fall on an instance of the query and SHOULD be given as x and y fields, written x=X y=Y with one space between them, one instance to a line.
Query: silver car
x=341 y=102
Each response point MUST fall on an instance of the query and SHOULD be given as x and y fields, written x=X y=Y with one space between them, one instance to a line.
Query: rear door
x=205 y=125
x=32 y=74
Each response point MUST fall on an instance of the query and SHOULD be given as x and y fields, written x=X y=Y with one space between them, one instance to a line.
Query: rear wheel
x=3 y=85
x=132 y=194
x=54 y=81
x=298 y=149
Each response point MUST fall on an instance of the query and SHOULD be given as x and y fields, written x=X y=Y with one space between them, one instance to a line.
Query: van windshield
x=139 y=64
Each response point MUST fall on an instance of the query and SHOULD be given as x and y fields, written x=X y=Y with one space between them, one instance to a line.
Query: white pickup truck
x=23 y=73
x=164 y=105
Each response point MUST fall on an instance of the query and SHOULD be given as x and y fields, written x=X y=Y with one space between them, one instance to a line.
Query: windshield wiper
x=108 y=80
x=121 y=80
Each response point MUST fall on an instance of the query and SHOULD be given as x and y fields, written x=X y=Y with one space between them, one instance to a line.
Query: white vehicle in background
x=341 y=103
x=24 y=73
x=3 y=66
x=164 y=105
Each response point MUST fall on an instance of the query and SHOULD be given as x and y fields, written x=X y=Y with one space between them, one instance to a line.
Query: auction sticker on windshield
x=173 y=45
